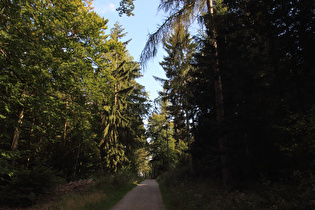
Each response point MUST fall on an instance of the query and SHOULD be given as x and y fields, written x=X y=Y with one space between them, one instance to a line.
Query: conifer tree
x=183 y=13
x=176 y=64
x=161 y=142
x=115 y=120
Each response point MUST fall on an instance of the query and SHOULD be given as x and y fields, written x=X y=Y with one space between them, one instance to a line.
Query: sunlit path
x=146 y=195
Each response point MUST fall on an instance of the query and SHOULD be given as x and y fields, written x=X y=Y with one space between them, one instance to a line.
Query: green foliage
x=68 y=95
x=141 y=162
x=45 y=78
x=7 y=171
x=296 y=139
x=177 y=64
x=162 y=145
x=122 y=111
x=126 y=7
x=25 y=185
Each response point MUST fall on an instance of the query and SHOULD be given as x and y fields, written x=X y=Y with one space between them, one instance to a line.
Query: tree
x=122 y=134
x=126 y=7
x=262 y=62
x=161 y=143
x=60 y=74
x=184 y=16
x=176 y=65
x=260 y=87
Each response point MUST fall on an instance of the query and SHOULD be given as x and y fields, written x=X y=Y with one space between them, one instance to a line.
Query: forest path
x=146 y=196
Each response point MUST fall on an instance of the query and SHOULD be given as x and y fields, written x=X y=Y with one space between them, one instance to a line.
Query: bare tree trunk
x=115 y=97
x=168 y=151
x=64 y=133
x=16 y=135
x=189 y=141
x=65 y=126
x=76 y=161
x=219 y=102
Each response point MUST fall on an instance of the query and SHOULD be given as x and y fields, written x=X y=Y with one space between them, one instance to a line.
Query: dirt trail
x=146 y=196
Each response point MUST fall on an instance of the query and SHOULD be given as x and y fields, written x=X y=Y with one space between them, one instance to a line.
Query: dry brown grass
x=79 y=202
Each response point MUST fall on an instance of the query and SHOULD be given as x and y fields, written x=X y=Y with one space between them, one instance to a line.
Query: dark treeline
x=258 y=55
x=235 y=129
x=268 y=87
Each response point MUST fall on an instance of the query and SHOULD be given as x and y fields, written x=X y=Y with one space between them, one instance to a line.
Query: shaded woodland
x=261 y=52
x=238 y=104
x=240 y=99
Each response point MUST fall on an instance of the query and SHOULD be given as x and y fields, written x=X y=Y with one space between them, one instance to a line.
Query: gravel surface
x=146 y=196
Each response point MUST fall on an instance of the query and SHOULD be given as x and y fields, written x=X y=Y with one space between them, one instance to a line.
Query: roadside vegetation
x=103 y=194
x=99 y=193
x=183 y=189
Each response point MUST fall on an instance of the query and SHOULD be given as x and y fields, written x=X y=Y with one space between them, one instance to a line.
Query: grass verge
x=181 y=190
x=104 y=194
x=167 y=198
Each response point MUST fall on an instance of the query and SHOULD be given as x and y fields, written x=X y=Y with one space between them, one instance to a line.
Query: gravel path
x=146 y=196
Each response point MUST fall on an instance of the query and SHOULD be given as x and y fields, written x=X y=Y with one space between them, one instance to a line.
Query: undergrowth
x=182 y=190
x=27 y=185
x=37 y=191
x=106 y=192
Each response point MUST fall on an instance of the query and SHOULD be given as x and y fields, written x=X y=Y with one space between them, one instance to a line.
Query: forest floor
x=49 y=200
x=75 y=187
x=181 y=190
x=103 y=193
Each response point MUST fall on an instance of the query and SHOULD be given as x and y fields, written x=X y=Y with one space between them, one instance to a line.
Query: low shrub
x=27 y=184
x=182 y=190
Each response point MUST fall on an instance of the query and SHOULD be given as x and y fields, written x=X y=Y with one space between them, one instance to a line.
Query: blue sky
x=146 y=20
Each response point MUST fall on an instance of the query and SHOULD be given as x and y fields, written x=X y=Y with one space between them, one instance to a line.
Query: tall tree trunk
x=115 y=92
x=219 y=100
x=64 y=133
x=65 y=126
x=167 y=145
x=76 y=161
x=16 y=135
x=168 y=153
x=189 y=141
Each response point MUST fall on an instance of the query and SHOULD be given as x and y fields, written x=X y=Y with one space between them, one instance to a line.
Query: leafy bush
x=27 y=184
x=6 y=159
